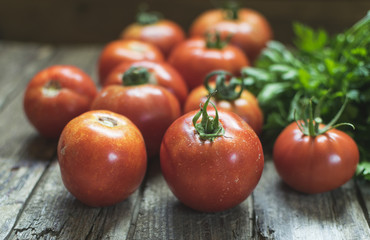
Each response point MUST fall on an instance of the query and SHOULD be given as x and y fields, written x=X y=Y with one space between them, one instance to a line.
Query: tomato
x=102 y=158
x=196 y=57
x=312 y=157
x=211 y=170
x=149 y=27
x=245 y=104
x=150 y=107
x=250 y=30
x=161 y=73
x=56 y=95
x=120 y=51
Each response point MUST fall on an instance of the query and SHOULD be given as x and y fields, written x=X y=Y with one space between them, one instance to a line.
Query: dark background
x=99 y=21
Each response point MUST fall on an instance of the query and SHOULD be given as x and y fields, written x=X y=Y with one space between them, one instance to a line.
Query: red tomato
x=211 y=175
x=102 y=158
x=151 y=108
x=161 y=73
x=194 y=60
x=315 y=164
x=250 y=30
x=56 y=95
x=245 y=105
x=120 y=51
x=164 y=34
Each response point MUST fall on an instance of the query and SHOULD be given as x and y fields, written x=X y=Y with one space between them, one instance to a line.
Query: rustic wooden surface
x=35 y=205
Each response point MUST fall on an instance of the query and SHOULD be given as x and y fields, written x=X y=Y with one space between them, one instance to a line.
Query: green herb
x=318 y=65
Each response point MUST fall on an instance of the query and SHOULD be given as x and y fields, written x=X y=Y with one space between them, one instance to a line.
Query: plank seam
x=362 y=203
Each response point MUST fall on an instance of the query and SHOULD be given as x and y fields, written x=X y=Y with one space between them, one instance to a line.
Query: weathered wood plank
x=282 y=213
x=24 y=155
x=53 y=213
x=363 y=189
x=162 y=216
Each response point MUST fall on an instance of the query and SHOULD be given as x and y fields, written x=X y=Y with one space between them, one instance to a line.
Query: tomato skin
x=125 y=50
x=246 y=106
x=251 y=31
x=101 y=165
x=165 y=75
x=151 y=108
x=50 y=110
x=211 y=176
x=193 y=60
x=164 y=34
x=315 y=164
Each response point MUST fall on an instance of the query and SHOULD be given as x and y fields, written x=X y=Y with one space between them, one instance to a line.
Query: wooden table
x=35 y=205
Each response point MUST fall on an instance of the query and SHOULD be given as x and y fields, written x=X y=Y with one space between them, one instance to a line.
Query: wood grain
x=282 y=213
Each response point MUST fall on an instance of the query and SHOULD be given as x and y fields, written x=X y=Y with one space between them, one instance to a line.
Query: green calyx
x=214 y=41
x=223 y=90
x=310 y=123
x=136 y=76
x=144 y=17
x=209 y=128
x=231 y=9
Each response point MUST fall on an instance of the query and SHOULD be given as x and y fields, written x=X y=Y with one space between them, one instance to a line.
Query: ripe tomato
x=125 y=50
x=315 y=164
x=102 y=158
x=250 y=30
x=160 y=73
x=150 y=107
x=312 y=157
x=149 y=27
x=207 y=168
x=55 y=95
x=245 y=104
x=196 y=57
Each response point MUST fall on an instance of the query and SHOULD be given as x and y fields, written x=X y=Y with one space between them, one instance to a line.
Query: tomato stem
x=231 y=9
x=214 y=41
x=224 y=91
x=144 y=17
x=310 y=125
x=209 y=128
x=136 y=76
x=51 y=88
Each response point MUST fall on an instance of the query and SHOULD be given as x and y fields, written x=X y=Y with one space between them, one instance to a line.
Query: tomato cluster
x=161 y=94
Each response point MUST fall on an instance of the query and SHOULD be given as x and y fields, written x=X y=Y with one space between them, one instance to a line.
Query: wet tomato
x=56 y=95
x=102 y=158
x=211 y=162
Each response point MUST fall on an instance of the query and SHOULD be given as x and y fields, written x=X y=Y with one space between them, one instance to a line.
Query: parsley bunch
x=318 y=65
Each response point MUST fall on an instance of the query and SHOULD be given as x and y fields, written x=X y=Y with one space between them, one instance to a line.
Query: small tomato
x=160 y=73
x=150 y=27
x=120 y=51
x=196 y=57
x=56 y=95
x=102 y=158
x=314 y=158
x=211 y=164
x=150 y=107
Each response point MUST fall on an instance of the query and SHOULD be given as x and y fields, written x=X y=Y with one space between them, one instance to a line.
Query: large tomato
x=150 y=107
x=211 y=168
x=55 y=95
x=150 y=27
x=102 y=158
x=314 y=161
x=196 y=57
x=120 y=51
x=250 y=30
x=160 y=73
x=228 y=97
